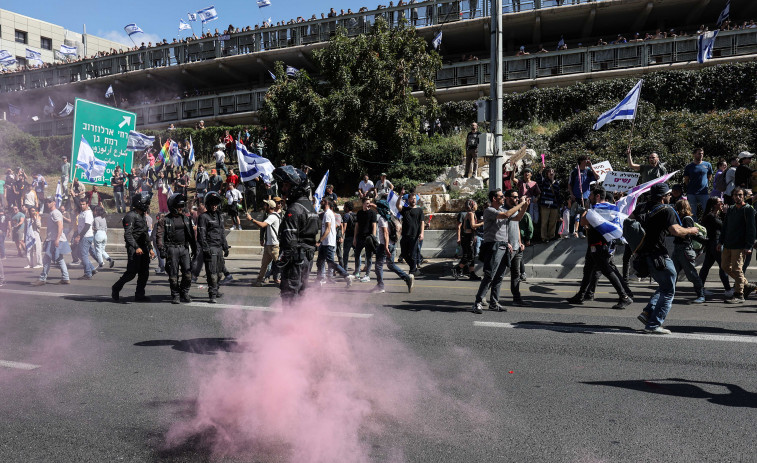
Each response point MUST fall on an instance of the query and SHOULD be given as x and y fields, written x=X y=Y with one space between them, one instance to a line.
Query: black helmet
x=212 y=199
x=176 y=201
x=297 y=180
x=141 y=201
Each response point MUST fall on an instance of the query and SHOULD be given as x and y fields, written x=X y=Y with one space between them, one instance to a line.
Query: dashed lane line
x=205 y=305
x=17 y=365
x=598 y=330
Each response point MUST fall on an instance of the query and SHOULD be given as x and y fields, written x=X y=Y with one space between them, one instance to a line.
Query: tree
x=360 y=108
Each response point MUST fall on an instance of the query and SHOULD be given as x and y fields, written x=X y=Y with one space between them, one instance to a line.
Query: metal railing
x=420 y=14
x=462 y=74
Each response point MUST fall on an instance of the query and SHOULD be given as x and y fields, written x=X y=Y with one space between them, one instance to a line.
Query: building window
x=21 y=36
x=46 y=43
x=20 y=60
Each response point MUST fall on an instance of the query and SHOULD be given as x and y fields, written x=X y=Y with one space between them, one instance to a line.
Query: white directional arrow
x=126 y=121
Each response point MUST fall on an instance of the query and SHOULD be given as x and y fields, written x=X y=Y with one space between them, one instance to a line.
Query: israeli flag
x=391 y=198
x=65 y=50
x=264 y=3
x=176 y=158
x=50 y=101
x=705 y=44
x=29 y=239
x=139 y=141
x=207 y=14
x=437 y=42
x=251 y=165
x=66 y=110
x=626 y=109
x=561 y=43
x=725 y=14
x=58 y=195
x=292 y=71
x=607 y=220
x=32 y=55
x=191 y=152
x=5 y=56
x=132 y=29
x=192 y=16
x=14 y=110
x=320 y=191
x=109 y=91
x=273 y=76
x=86 y=161
x=183 y=26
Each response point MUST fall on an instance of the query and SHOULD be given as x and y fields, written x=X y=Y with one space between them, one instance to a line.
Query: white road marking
x=18 y=365
x=205 y=305
x=581 y=329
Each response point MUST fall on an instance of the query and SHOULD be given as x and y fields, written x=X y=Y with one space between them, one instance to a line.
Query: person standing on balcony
x=471 y=151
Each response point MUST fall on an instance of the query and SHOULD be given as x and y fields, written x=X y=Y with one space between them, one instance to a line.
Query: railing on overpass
x=467 y=73
x=421 y=14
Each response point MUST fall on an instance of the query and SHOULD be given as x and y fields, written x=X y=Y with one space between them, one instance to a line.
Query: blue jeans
x=326 y=256
x=382 y=258
x=46 y=261
x=695 y=201
x=661 y=301
x=118 y=196
x=683 y=259
x=85 y=245
x=494 y=255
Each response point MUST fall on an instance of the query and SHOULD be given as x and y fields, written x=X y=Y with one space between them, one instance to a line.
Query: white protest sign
x=620 y=181
x=602 y=169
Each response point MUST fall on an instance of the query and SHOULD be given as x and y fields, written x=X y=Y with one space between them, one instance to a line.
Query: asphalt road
x=415 y=376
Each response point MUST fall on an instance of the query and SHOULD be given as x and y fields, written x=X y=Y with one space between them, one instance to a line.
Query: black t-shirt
x=594 y=238
x=656 y=219
x=471 y=141
x=349 y=219
x=743 y=177
x=412 y=217
x=365 y=219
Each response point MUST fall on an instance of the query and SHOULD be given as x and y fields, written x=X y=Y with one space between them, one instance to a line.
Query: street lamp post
x=495 y=164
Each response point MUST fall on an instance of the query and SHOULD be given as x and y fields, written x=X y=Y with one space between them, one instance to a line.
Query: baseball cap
x=745 y=154
x=277 y=199
x=659 y=190
x=269 y=203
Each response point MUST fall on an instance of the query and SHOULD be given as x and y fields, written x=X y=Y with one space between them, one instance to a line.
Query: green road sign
x=106 y=131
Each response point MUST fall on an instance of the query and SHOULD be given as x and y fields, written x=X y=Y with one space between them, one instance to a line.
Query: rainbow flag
x=160 y=160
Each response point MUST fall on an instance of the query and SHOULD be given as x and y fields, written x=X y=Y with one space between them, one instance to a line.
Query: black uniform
x=136 y=236
x=212 y=241
x=297 y=233
x=175 y=239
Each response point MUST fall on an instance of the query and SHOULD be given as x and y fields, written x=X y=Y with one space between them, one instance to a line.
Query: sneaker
x=212 y=300
x=349 y=279
x=378 y=289
x=39 y=283
x=521 y=303
x=707 y=292
x=575 y=300
x=185 y=298
x=64 y=282
x=495 y=307
x=113 y=294
x=474 y=277
x=643 y=317
x=100 y=265
x=175 y=300
x=37 y=266
x=257 y=284
x=735 y=299
x=85 y=277
x=194 y=279
x=656 y=330
x=477 y=308
x=748 y=289
x=228 y=278
x=728 y=294
x=365 y=279
x=112 y=263
x=455 y=273
x=589 y=297
x=142 y=298
x=623 y=303
x=699 y=300
x=523 y=277
x=410 y=283
x=94 y=272
x=28 y=266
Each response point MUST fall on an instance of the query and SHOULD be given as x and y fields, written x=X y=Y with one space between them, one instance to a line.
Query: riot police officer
x=176 y=241
x=138 y=247
x=297 y=232
x=212 y=241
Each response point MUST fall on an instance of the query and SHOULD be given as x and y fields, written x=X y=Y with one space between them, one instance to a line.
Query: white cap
x=745 y=154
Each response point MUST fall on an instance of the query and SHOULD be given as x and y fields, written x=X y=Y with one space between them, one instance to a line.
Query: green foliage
x=426 y=160
x=361 y=110
x=19 y=149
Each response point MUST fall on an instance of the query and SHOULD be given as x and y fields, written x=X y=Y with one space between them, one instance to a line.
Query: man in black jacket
x=297 y=232
x=176 y=241
x=138 y=248
x=212 y=241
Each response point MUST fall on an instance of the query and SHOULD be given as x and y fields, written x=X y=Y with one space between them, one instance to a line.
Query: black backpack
x=393 y=235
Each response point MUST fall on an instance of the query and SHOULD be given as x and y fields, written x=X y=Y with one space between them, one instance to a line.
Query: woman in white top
x=100 y=227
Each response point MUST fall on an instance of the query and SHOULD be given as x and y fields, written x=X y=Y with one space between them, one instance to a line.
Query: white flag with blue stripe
x=320 y=191
x=5 y=56
x=391 y=198
x=192 y=16
x=207 y=14
x=183 y=26
x=264 y=3
x=109 y=91
x=139 y=141
x=292 y=71
x=176 y=158
x=132 y=29
x=65 y=50
x=58 y=195
x=251 y=165
x=626 y=109
x=29 y=239
x=32 y=55
x=725 y=14
x=705 y=44
x=607 y=220
x=191 y=160
x=437 y=42
x=86 y=161
x=66 y=110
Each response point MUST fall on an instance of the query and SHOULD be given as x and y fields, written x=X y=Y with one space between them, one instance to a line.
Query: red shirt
x=229 y=140
x=233 y=179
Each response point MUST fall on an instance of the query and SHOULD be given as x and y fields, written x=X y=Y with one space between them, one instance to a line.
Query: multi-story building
x=19 y=32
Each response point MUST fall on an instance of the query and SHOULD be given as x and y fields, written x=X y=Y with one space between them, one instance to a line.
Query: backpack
x=633 y=230
x=720 y=184
x=696 y=244
x=393 y=235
